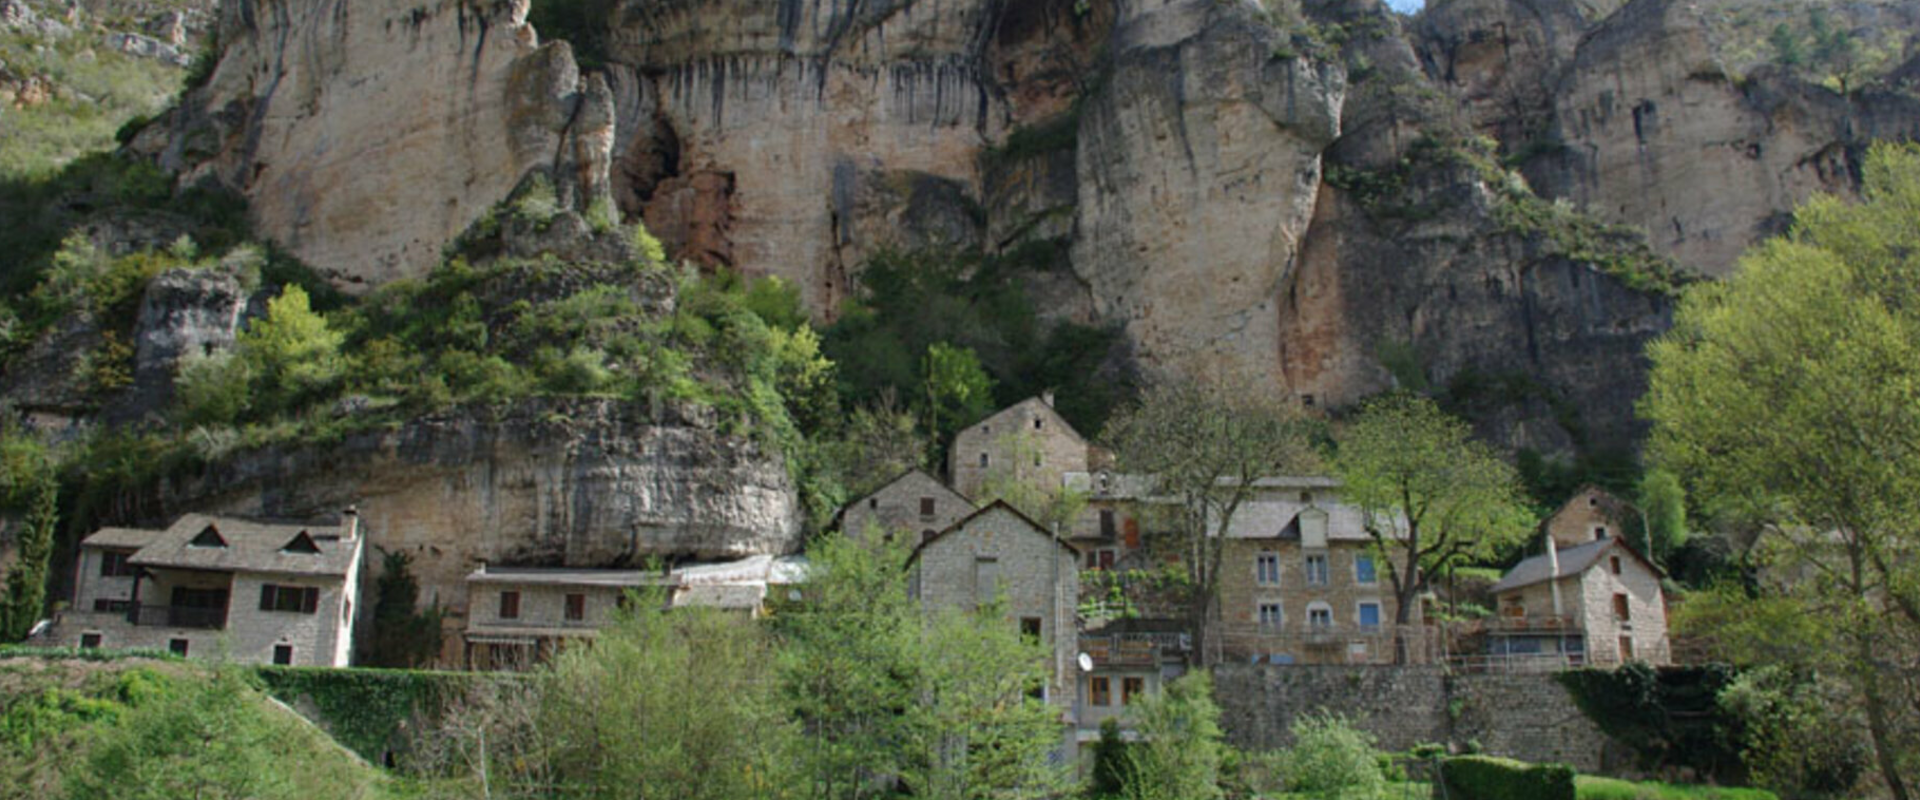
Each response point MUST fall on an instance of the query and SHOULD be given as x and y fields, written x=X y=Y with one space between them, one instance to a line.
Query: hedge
x=1489 y=778
x=365 y=709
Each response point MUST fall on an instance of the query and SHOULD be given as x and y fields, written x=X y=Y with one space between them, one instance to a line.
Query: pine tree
x=26 y=589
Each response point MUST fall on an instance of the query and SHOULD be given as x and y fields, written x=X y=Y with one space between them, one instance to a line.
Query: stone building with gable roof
x=253 y=592
x=1027 y=442
x=915 y=502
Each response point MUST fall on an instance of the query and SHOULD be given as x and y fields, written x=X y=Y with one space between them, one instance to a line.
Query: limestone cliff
x=587 y=483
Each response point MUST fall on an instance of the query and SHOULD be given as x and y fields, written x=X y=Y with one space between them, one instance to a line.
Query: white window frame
x=1279 y=619
x=1262 y=576
x=1356 y=569
x=1325 y=611
x=1324 y=573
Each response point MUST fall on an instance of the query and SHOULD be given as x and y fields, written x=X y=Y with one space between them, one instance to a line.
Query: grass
x=96 y=91
x=1587 y=787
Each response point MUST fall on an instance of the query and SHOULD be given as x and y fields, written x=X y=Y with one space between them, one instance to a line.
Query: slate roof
x=1033 y=527
x=250 y=546
x=1573 y=561
x=1280 y=519
x=120 y=538
x=548 y=576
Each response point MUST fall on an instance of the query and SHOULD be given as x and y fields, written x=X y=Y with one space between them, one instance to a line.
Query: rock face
x=584 y=483
x=1198 y=164
x=367 y=136
x=183 y=312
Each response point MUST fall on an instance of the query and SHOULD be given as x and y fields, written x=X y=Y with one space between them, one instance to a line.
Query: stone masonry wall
x=1529 y=717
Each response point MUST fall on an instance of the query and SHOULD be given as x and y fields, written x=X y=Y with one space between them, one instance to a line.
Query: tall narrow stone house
x=1027 y=442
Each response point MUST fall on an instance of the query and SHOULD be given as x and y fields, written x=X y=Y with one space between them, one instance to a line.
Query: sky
x=1406 y=6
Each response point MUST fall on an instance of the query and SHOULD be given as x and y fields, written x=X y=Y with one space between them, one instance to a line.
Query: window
x=1593 y=501
x=1270 y=616
x=302 y=544
x=986 y=579
x=1626 y=648
x=177 y=646
x=1306 y=400
x=208 y=537
x=1306 y=497
x=89 y=641
x=1266 y=569
x=1036 y=423
x=986 y=430
x=873 y=503
x=1131 y=688
x=1099 y=691
x=1317 y=570
x=983 y=460
x=283 y=654
x=1106 y=523
x=509 y=605
x=1620 y=609
x=1363 y=571
x=1599 y=532
x=1369 y=615
x=297 y=599
x=1030 y=626
x=1106 y=558
x=114 y=565
x=926 y=506
x=1319 y=616
x=1615 y=564
x=104 y=606
x=576 y=607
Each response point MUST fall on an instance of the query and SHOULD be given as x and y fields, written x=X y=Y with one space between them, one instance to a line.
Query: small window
x=986 y=430
x=1131 y=688
x=926 y=506
x=576 y=607
x=1036 y=423
x=1270 y=616
x=1316 y=570
x=283 y=654
x=1593 y=501
x=1599 y=532
x=301 y=544
x=114 y=565
x=346 y=611
x=1099 y=691
x=208 y=537
x=89 y=641
x=1106 y=558
x=1306 y=497
x=873 y=503
x=1621 y=610
x=177 y=647
x=1030 y=626
x=509 y=605
x=983 y=460
x=1626 y=648
x=1266 y=569
x=1306 y=400
x=1369 y=615
x=1319 y=617
x=1363 y=570
x=1107 y=528
x=1614 y=562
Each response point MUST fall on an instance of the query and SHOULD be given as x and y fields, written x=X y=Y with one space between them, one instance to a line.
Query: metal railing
x=1331 y=644
x=179 y=617
x=1532 y=624
x=1142 y=648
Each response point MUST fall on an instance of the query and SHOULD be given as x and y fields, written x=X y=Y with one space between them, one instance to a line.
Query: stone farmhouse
x=253 y=592
x=915 y=502
x=1027 y=442
x=997 y=553
x=1591 y=514
x=519 y=617
x=1302 y=582
x=1598 y=602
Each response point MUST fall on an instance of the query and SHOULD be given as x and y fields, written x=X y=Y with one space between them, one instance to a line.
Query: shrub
x=1331 y=758
x=1489 y=778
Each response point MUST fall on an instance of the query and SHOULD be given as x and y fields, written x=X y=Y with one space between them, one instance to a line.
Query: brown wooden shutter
x=266 y=596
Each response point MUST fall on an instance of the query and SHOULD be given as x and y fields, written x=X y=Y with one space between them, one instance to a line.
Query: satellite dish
x=1086 y=663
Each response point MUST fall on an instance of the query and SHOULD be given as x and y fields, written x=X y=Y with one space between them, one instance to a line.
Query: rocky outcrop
x=367 y=137
x=184 y=312
x=579 y=483
x=1198 y=163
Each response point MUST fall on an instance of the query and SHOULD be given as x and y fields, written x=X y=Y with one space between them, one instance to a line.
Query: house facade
x=519 y=617
x=997 y=552
x=1301 y=582
x=1597 y=603
x=915 y=502
x=1027 y=442
x=1591 y=514
x=252 y=592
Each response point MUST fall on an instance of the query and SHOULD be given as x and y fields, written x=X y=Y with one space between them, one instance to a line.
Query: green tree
x=1206 y=443
x=26 y=586
x=1664 y=501
x=955 y=390
x=1433 y=497
x=292 y=352
x=403 y=636
x=1054 y=507
x=1791 y=391
x=977 y=727
x=1333 y=760
x=1178 y=754
x=212 y=389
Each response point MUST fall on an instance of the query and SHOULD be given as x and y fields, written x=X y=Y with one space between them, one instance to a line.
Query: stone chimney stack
x=349 y=524
x=1047 y=397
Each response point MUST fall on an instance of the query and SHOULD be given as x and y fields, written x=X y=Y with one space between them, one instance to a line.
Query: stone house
x=1119 y=514
x=518 y=617
x=1591 y=514
x=998 y=552
x=1301 y=582
x=252 y=592
x=1027 y=442
x=1598 y=602
x=914 y=502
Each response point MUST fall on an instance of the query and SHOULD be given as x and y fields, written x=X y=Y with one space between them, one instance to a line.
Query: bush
x=1331 y=758
x=1489 y=778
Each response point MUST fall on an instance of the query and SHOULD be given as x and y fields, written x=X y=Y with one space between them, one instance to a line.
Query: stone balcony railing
x=179 y=617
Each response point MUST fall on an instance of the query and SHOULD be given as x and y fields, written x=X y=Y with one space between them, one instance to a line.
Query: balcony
x=1516 y=623
x=180 y=617
x=1135 y=648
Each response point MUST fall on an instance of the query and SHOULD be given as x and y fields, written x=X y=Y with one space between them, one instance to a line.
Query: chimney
x=349 y=524
x=1553 y=574
x=1047 y=397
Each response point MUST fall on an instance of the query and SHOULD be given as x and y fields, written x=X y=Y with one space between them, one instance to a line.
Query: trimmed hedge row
x=1489 y=778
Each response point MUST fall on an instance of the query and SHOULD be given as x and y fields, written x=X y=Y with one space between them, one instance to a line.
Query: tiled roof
x=120 y=538
x=249 y=547
x=1573 y=561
